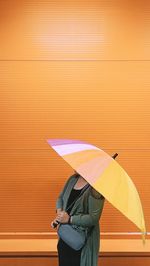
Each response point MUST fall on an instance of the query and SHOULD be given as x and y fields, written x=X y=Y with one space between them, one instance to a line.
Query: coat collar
x=69 y=189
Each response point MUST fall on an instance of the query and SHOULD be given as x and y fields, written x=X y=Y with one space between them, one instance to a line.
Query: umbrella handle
x=54 y=225
x=114 y=156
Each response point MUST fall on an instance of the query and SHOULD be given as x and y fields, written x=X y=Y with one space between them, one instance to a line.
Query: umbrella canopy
x=105 y=175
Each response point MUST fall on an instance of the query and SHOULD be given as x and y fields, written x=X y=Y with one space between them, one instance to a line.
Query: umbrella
x=105 y=175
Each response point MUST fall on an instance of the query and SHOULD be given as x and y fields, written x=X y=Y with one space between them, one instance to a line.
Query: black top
x=73 y=195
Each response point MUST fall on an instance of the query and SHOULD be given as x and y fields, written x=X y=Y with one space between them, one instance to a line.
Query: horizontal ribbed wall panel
x=72 y=30
x=70 y=69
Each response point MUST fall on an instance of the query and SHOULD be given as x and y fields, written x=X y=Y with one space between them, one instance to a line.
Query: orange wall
x=71 y=69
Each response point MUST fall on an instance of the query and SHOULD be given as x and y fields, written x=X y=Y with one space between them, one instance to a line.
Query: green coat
x=85 y=213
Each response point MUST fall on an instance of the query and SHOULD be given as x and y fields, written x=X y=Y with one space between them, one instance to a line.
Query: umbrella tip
x=114 y=156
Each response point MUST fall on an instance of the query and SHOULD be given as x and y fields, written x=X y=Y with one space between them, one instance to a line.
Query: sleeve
x=95 y=206
x=59 y=201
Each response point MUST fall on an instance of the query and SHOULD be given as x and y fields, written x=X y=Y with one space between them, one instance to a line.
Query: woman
x=85 y=213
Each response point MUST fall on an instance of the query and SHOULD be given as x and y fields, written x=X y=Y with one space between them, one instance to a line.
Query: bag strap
x=81 y=193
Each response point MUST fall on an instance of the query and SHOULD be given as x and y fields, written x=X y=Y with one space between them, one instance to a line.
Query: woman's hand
x=58 y=211
x=62 y=217
x=55 y=223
